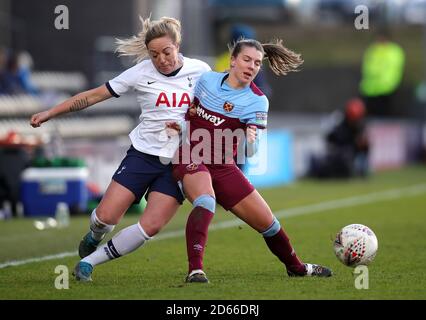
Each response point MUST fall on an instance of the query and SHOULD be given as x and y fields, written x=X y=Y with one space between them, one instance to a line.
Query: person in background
x=15 y=77
x=347 y=146
x=381 y=75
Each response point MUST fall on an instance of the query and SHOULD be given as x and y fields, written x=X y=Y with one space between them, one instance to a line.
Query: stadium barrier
x=273 y=163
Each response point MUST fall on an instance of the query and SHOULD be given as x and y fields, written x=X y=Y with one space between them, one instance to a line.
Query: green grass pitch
x=237 y=261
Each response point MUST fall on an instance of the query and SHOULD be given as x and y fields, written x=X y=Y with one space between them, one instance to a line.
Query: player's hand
x=38 y=118
x=172 y=128
x=192 y=110
x=251 y=134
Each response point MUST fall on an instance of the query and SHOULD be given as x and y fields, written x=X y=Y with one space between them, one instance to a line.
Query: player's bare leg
x=159 y=210
x=114 y=204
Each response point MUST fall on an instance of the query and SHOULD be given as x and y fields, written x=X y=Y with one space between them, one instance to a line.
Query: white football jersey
x=161 y=99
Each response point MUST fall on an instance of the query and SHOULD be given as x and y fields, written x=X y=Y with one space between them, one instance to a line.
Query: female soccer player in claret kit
x=225 y=103
x=164 y=84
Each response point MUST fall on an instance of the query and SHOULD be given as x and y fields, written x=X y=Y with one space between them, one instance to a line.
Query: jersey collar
x=225 y=86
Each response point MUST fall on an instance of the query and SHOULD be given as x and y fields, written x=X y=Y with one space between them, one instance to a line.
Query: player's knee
x=107 y=216
x=98 y=225
x=273 y=229
x=145 y=234
x=152 y=228
x=206 y=201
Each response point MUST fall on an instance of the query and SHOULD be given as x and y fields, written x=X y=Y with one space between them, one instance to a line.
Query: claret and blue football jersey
x=220 y=107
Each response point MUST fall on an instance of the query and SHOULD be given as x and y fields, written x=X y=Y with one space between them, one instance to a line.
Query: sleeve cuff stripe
x=111 y=91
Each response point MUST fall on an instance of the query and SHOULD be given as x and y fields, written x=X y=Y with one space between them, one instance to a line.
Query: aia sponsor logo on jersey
x=173 y=100
x=228 y=106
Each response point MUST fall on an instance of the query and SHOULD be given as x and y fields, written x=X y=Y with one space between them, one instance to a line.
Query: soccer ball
x=355 y=245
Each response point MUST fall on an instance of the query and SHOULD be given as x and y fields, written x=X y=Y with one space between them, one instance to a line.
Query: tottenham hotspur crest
x=228 y=106
x=189 y=82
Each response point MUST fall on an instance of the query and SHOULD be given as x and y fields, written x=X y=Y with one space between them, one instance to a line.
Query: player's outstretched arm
x=76 y=103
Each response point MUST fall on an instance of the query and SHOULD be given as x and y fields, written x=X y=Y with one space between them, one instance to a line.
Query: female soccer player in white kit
x=165 y=88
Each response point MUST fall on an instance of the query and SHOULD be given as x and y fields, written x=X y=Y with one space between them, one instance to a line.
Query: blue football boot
x=83 y=271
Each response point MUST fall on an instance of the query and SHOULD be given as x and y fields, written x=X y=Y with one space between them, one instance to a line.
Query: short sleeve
x=125 y=82
x=257 y=113
x=200 y=84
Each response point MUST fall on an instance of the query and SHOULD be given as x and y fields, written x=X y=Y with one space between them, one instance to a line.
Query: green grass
x=238 y=263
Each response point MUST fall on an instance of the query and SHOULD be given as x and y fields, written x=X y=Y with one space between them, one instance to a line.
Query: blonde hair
x=137 y=46
x=281 y=59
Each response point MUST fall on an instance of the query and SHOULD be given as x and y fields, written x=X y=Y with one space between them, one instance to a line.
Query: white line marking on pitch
x=286 y=213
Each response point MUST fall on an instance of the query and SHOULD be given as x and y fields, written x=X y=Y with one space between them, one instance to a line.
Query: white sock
x=99 y=228
x=124 y=242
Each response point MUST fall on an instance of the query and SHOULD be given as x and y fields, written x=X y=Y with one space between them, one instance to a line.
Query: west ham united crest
x=192 y=166
x=228 y=106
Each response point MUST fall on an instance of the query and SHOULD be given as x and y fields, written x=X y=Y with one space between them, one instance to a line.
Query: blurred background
x=379 y=92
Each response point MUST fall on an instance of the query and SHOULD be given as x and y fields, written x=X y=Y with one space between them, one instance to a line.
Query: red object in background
x=14 y=139
x=355 y=109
